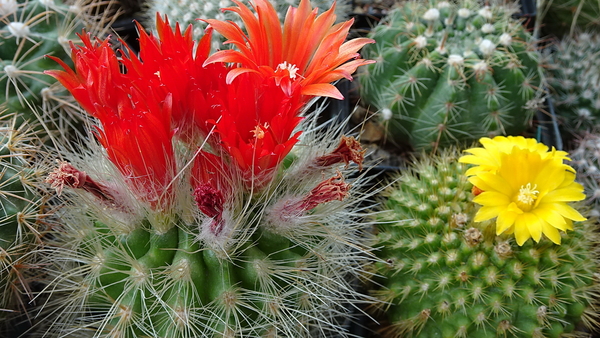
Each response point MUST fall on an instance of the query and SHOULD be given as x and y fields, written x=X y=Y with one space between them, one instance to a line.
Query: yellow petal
x=492 y=182
x=551 y=233
x=568 y=194
x=491 y=199
x=505 y=220
x=567 y=211
x=553 y=217
x=521 y=231
x=486 y=213
x=550 y=176
x=534 y=224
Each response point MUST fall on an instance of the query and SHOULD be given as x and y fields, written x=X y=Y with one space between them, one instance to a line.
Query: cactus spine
x=30 y=30
x=449 y=73
x=22 y=220
x=448 y=276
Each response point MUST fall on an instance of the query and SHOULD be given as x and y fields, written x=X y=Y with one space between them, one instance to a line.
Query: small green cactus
x=449 y=73
x=21 y=219
x=573 y=76
x=30 y=30
x=445 y=275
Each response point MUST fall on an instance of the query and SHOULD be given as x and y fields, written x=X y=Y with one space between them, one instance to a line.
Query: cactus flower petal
x=309 y=44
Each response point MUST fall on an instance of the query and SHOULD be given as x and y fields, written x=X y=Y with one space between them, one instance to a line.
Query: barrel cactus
x=451 y=72
x=201 y=217
x=30 y=30
x=22 y=220
x=452 y=268
x=573 y=76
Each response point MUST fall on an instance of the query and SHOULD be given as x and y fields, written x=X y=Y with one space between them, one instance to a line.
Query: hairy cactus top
x=453 y=269
x=202 y=218
x=451 y=72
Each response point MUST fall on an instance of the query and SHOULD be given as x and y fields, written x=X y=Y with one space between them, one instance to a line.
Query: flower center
x=527 y=196
x=292 y=69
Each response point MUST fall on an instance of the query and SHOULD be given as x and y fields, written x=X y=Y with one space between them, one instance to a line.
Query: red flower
x=172 y=64
x=256 y=127
x=135 y=117
x=309 y=51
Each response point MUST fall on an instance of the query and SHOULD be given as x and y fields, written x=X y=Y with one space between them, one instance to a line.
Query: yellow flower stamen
x=527 y=196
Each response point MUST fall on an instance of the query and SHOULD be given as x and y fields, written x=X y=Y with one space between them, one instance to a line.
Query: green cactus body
x=447 y=73
x=447 y=276
x=30 y=30
x=21 y=214
x=573 y=73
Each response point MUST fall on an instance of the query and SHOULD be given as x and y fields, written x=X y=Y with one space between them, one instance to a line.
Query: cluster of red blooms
x=244 y=104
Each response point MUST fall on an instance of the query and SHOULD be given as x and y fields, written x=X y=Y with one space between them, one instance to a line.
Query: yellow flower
x=526 y=189
x=488 y=157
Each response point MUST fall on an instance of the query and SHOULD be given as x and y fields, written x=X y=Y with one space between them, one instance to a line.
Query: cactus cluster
x=22 y=219
x=451 y=72
x=574 y=78
x=448 y=276
x=30 y=30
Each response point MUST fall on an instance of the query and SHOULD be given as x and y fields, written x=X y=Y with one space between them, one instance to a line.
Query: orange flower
x=309 y=51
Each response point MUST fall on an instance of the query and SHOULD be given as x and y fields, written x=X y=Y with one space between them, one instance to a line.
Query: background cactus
x=585 y=160
x=564 y=17
x=22 y=220
x=446 y=276
x=30 y=30
x=185 y=12
x=573 y=76
x=447 y=73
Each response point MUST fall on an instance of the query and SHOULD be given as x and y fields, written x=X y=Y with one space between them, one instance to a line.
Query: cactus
x=22 y=219
x=448 y=273
x=585 y=160
x=200 y=217
x=449 y=73
x=30 y=30
x=573 y=73
x=564 y=17
x=186 y=12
